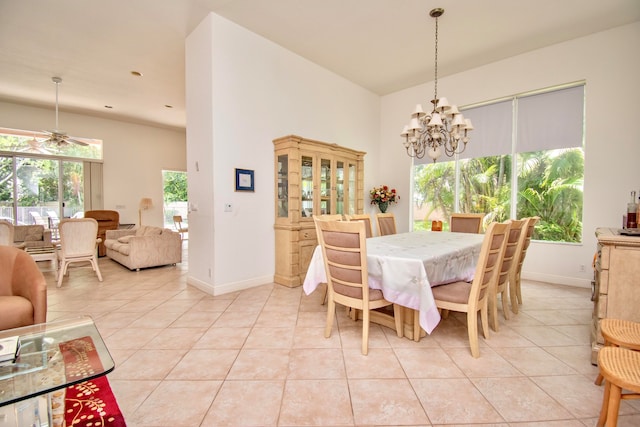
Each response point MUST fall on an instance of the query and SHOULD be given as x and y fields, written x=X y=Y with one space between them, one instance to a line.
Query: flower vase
x=383 y=206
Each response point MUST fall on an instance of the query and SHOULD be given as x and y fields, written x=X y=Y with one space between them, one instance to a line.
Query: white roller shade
x=492 y=131
x=551 y=120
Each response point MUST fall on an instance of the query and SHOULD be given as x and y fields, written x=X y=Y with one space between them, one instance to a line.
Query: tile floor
x=259 y=358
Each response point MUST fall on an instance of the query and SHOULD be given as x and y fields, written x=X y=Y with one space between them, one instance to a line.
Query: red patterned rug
x=89 y=403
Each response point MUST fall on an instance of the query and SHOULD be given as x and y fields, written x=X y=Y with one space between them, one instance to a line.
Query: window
x=41 y=183
x=526 y=158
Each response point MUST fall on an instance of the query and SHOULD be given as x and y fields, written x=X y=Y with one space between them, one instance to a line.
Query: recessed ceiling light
x=168 y=106
x=108 y=106
x=136 y=73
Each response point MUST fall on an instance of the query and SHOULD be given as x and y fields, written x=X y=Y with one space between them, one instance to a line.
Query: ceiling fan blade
x=75 y=141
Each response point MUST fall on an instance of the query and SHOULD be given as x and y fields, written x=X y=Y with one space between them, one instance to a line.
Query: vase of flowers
x=383 y=196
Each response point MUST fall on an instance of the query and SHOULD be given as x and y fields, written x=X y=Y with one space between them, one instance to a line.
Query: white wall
x=610 y=65
x=258 y=92
x=134 y=155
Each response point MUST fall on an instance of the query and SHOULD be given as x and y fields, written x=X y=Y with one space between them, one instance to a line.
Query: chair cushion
x=16 y=311
x=457 y=292
x=125 y=239
x=354 y=292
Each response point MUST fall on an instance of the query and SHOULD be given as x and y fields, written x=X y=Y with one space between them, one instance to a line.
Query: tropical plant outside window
x=175 y=196
x=546 y=183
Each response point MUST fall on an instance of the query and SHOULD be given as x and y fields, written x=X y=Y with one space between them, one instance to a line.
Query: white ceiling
x=382 y=45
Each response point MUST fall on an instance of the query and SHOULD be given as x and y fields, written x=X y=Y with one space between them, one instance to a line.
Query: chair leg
x=518 y=289
x=324 y=296
x=505 y=304
x=605 y=405
x=398 y=316
x=472 y=330
x=62 y=266
x=365 y=330
x=493 y=310
x=416 y=325
x=484 y=317
x=94 y=262
x=331 y=313
x=513 y=294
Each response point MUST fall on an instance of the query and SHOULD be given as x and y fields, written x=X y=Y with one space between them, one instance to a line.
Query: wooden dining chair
x=473 y=297
x=508 y=265
x=466 y=222
x=515 y=290
x=364 y=218
x=344 y=251
x=386 y=223
x=326 y=217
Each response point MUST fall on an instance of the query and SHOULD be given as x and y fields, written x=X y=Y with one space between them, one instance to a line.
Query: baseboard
x=226 y=288
x=557 y=280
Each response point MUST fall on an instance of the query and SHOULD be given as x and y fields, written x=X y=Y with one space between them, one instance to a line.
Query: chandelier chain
x=435 y=96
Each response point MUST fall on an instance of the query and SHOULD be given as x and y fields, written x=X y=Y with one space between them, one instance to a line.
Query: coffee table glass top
x=53 y=356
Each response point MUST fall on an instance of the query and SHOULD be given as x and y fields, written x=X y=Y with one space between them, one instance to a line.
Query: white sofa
x=143 y=247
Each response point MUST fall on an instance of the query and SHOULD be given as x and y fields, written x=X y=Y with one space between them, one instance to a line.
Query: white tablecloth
x=405 y=266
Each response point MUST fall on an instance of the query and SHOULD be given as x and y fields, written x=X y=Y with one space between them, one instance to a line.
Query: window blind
x=550 y=120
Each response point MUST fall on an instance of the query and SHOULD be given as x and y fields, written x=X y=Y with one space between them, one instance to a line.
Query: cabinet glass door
x=325 y=186
x=306 y=186
x=340 y=189
x=283 y=186
x=351 y=194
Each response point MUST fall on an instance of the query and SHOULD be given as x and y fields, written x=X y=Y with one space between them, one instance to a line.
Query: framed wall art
x=244 y=180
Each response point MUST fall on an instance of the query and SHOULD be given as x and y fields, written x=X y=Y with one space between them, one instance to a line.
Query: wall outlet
x=583 y=268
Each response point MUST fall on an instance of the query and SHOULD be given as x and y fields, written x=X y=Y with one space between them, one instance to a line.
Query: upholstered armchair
x=23 y=289
x=107 y=220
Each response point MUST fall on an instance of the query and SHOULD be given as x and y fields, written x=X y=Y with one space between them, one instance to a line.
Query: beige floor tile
x=576 y=393
x=252 y=364
x=520 y=399
x=534 y=361
x=316 y=363
x=172 y=338
x=489 y=364
x=379 y=363
x=270 y=338
x=186 y=404
x=206 y=364
x=427 y=363
x=316 y=403
x=314 y=338
x=454 y=401
x=223 y=338
x=245 y=403
x=196 y=319
x=148 y=364
x=385 y=402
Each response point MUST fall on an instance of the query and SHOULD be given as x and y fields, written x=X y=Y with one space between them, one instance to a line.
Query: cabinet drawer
x=307 y=234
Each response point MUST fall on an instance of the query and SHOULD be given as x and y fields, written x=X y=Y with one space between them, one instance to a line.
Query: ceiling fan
x=57 y=136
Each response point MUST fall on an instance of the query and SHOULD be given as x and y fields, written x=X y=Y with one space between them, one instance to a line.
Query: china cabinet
x=311 y=178
x=616 y=285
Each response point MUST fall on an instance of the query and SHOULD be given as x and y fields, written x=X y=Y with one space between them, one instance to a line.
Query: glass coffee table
x=52 y=356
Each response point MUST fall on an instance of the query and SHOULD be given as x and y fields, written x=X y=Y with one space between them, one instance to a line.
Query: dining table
x=405 y=266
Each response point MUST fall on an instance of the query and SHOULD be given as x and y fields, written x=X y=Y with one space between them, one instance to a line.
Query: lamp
x=444 y=129
x=145 y=203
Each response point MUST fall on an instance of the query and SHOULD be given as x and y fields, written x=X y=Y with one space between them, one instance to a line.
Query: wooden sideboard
x=616 y=285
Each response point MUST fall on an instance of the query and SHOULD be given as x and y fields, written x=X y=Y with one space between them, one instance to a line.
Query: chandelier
x=444 y=129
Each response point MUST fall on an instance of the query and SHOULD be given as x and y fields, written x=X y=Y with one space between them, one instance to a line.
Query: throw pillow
x=125 y=239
